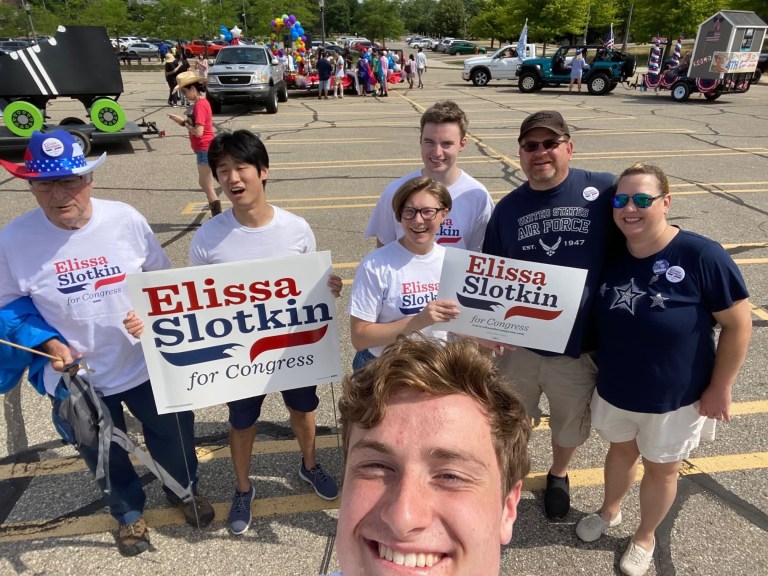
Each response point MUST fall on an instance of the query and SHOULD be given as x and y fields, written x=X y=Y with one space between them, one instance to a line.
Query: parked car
x=422 y=43
x=201 y=47
x=360 y=45
x=246 y=74
x=442 y=46
x=501 y=65
x=607 y=67
x=13 y=45
x=143 y=49
x=464 y=47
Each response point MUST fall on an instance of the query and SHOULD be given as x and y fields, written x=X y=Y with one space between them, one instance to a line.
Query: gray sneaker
x=324 y=485
x=591 y=527
x=240 y=514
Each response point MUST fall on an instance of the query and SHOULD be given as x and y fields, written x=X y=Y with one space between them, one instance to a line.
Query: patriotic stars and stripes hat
x=52 y=155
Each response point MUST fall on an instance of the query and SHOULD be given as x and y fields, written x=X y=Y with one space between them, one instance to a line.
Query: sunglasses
x=426 y=213
x=640 y=200
x=546 y=144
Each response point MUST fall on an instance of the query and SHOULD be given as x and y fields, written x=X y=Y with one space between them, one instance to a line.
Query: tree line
x=548 y=20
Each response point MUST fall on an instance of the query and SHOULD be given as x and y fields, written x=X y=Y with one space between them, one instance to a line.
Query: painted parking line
x=71 y=464
x=302 y=503
x=369 y=200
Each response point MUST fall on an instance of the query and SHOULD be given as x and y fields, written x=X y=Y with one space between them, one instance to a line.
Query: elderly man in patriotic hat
x=71 y=256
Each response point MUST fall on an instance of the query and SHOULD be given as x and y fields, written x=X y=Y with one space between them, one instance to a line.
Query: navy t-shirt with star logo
x=656 y=347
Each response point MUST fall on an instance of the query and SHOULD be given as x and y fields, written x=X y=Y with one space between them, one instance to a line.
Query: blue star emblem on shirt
x=658 y=300
x=626 y=296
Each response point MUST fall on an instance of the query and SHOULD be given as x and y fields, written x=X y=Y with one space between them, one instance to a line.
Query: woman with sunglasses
x=395 y=288
x=661 y=374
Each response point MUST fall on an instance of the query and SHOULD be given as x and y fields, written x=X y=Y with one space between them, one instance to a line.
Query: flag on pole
x=522 y=41
x=608 y=42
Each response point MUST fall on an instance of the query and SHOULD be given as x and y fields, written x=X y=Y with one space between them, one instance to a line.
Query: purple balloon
x=292 y=19
x=303 y=38
x=280 y=52
x=272 y=23
x=285 y=21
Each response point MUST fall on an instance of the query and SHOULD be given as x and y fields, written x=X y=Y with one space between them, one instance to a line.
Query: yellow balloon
x=299 y=59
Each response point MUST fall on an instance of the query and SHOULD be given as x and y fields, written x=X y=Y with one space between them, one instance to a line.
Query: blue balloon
x=225 y=33
x=294 y=35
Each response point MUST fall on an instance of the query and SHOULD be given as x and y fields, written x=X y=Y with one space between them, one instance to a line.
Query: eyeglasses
x=66 y=184
x=640 y=200
x=546 y=144
x=426 y=213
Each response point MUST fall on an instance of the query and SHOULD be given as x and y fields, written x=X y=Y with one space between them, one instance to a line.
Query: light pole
x=28 y=10
x=322 y=23
x=245 y=22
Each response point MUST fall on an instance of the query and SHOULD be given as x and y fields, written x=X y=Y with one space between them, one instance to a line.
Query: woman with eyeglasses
x=395 y=287
x=661 y=373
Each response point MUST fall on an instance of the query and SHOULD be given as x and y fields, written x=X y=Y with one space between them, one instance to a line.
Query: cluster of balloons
x=288 y=24
x=227 y=34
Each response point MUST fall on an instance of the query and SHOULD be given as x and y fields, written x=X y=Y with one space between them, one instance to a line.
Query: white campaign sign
x=512 y=301
x=224 y=332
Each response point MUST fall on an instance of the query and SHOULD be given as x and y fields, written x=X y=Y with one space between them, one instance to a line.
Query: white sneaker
x=591 y=527
x=636 y=560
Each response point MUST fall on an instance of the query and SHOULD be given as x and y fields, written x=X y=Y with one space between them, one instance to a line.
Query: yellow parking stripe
x=302 y=503
x=73 y=464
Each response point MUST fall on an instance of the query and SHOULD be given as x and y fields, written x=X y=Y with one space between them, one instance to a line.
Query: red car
x=199 y=47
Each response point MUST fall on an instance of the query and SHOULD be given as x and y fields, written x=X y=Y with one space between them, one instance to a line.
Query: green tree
x=450 y=19
x=417 y=15
x=379 y=20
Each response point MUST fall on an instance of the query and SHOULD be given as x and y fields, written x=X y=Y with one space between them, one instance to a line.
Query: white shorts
x=661 y=438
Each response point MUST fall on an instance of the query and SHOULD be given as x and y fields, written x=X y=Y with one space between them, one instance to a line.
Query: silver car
x=243 y=74
x=143 y=49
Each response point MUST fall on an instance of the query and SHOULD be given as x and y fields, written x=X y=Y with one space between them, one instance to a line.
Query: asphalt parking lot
x=329 y=162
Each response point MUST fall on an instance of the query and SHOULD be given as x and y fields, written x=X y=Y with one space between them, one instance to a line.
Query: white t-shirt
x=224 y=239
x=77 y=280
x=392 y=283
x=339 y=66
x=421 y=60
x=463 y=228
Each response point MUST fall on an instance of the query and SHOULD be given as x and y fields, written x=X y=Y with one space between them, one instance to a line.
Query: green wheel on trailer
x=107 y=115
x=23 y=118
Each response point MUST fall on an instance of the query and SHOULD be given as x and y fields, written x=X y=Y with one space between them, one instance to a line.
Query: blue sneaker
x=240 y=515
x=324 y=485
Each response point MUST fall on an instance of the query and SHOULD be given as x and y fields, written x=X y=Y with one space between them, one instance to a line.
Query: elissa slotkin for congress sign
x=512 y=301
x=224 y=332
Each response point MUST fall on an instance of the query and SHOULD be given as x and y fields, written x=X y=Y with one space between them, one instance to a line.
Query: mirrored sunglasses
x=640 y=200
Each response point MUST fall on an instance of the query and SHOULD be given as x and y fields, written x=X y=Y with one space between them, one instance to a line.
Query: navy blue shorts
x=244 y=413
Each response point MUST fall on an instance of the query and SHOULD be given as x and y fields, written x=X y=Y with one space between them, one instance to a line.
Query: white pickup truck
x=501 y=65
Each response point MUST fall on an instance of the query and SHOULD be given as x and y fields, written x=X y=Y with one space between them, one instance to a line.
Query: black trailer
x=85 y=134
x=78 y=62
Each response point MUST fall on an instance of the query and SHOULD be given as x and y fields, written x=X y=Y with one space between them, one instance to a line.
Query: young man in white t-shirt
x=443 y=137
x=255 y=229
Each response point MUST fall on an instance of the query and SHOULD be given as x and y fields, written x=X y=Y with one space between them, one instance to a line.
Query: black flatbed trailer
x=86 y=134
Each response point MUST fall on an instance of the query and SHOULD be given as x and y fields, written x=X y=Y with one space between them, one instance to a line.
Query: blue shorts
x=325 y=84
x=202 y=157
x=244 y=413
